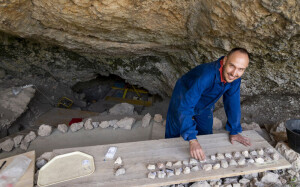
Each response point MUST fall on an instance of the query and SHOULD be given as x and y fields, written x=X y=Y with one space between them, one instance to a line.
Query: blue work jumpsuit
x=193 y=100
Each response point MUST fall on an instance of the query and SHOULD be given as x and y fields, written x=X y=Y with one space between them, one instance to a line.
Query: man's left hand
x=241 y=139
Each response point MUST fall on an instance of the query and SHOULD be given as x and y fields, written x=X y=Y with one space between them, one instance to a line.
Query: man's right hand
x=196 y=150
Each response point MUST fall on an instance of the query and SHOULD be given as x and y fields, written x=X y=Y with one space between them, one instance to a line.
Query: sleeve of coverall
x=232 y=106
x=186 y=108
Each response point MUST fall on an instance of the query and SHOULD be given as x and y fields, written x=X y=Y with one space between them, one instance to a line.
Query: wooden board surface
x=27 y=179
x=137 y=155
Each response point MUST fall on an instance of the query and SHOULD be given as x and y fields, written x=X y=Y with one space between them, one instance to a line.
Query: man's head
x=235 y=64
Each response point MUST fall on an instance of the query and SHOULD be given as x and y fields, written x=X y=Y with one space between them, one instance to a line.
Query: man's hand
x=241 y=139
x=196 y=150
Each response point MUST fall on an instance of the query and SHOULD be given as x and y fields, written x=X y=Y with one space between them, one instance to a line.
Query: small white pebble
x=260 y=152
x=259 y=160
x=160 y=165
x=120 y=171
x=151 y=175
x=170 y=174
x=217 y=166
x=250 y=161
x=185 y=162
x=228 y=155
x=224 y=164
x=178 y=163
x=213 y=157
x=178 y=171
x=220 y=156
x=245 y=153
x=195 y=168
x=237 y=154
x=193 y=161
x=253 y=153
x=233 y=163
x=169 y=164
x=268 y=159
x=275 y=156
x=207 y=167
x=161 y=174
x=187 y=170
x=242 y=161
x=151 y=167
x=269 y=150
x=118 y=161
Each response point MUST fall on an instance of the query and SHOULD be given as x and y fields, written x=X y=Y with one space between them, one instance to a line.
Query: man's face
x=235 y=66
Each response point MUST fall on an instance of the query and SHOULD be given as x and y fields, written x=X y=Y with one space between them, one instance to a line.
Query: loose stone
x=88 y=124
x=220 y=156
x=158 y=118
x=253 y=153
x=242 y=161
x=63 y=128
x=29 y=137
x=216 y=166
x=161 y=174
x=151 y=167
x=259 y=160
x=185 y=162
x=17 y=140
x=178 y=171
x=146 y=120
x=7 y=145
x=224 y=164
x=118 y=161
x=260 y=152
x=237 y=155
x=228 y=155
x=275 y=156
x=120 y=171
x=233 y=163
x=178 y=163
x=44 y=130
x=213 y=157
x=195 y=168
x=151 y=175
x=187 y=170
x=245 y=153
x=76 y=126
x=169 y=164
x=250 y=161
x=193 y=161
x=95 y=124
x=160 y=165
x=207 y=167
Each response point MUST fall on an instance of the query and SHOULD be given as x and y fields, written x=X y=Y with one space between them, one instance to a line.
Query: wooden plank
x=137 y=155
x=27 y=179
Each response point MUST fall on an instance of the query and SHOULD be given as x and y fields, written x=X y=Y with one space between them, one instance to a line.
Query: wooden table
x=137 y=155
x=27 y=179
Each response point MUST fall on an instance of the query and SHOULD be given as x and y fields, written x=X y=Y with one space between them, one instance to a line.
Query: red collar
x=221 y=71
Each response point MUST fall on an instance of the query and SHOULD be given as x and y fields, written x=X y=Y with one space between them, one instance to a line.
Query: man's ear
x=224 y=60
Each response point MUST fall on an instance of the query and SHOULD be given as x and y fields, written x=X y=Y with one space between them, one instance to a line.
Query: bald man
x=193 y=100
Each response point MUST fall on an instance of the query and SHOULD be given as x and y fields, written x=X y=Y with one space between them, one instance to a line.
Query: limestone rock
x=224 y=164
x=151 y=175
x=220 y=156
x=170 y=173
x=245 y=153
x=270 y=178
x=29 y=137
x=213 y=157
x=201 y=184
x=76 y=126
x=151 y=167
x=118 y=161
x=260 y=152
x=233 y=163
x=24 y=144
x=104 y=124
x=216 y=166
x=63 y=128
x=185 y=162
x=236 y=154
x=44 y=130
x=259 y=160
x=7 y=145
x=187 y=170
x=193 y=161
x=122 y=109
x=160 y=165
x=207 y=167
x=217 y=124
x=126 y=123
x=242 y=161
x=120 y=171
x=158 y=118
x=244 y=181
x=178 y=163
x=169 y=164
x=228 y=155
x=195 y=168
x=146 y=120
x=95 y=124
x=88 y=124
x=292 y=156
x=161 y=174
x=113 y=123
x=18 y=139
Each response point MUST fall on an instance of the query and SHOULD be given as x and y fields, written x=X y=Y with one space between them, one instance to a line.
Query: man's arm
x=232 y=106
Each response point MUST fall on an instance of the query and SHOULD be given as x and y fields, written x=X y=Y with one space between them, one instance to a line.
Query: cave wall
x=151 y=43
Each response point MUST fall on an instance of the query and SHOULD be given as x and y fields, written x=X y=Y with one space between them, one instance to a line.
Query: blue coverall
x=193 y=100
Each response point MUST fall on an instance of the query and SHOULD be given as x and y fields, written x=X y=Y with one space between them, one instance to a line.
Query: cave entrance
x=103 y=92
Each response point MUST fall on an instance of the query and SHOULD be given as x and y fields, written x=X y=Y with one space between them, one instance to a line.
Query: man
x=193 y=100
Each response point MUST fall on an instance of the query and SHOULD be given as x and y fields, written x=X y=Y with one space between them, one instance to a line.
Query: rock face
x=12 y=106
x=152 y=43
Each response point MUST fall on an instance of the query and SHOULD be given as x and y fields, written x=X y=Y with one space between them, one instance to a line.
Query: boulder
x=88 y=124
x=29 y=137
x=7 y=145
x=126 y=123
x=18 y=139
x=122 y=109
x=63 y=128
x=76 y=126
x=45 y=130
x=146 y=120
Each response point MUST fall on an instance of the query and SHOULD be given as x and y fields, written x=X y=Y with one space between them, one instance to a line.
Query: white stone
x=120 y=171
x=236 y=185
x=228 y=155
x=76 y=126
x=193 y=161
x=236 y=154
x=245 y=153
x=178 y=171
x=161 y=174
x=113 y=123
x=44 y=130
x=268 y=159
x=146 y=120
x=29 y=137
x=151 y=167
x=207 y=167
x=187 y=170
x=250 y=161
x=158 y=118
x=224 y=164
x=169 y=164
x=122 y=109
x=233 y=163
x=195 y=168
x=270 y=178
x=259 y=160
x=275 y=156
x=170 y=174
x=260 y=152
x=216 y=166
x=47 y=156
x=63 y=128
x=18 y=139
x=104 y=124
x=118 y=161
x=126 y=123
x=220 y=156
x=178 y=163
x=88 y=124
x=244 y=181
x=201 y=184
x=269 y=150
x=242 y=161
x=151 y=175
x=7 y=145
x=280 y=127
x=217 y=124
x=95 y=124
x=213 y=157
x=185 y=162
x=24 y=145
x=253 y=153
x=160 y=165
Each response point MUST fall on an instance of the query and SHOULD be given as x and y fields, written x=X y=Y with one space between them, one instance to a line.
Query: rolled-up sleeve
x=232 y=106
x=187 y=105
